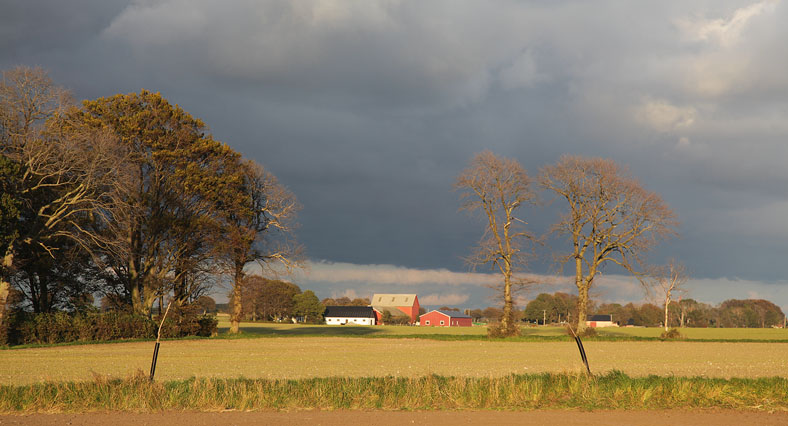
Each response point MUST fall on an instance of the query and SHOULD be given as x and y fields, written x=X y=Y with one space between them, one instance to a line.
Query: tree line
x=128 y=197
x=750 y=313
x=265 y=299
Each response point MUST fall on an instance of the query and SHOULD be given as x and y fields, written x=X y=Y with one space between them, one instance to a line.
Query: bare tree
x=611 y=218
x=63 y=169
x=666 y=281
x=497 y=187
x=258 y=229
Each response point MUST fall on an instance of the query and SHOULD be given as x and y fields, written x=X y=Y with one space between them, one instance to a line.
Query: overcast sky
x=368 y=110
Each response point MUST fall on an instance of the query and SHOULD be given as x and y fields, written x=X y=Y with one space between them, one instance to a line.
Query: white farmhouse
x=342 y=315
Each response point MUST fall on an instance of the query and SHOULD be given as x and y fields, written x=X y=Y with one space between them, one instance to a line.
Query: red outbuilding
x=439 y=318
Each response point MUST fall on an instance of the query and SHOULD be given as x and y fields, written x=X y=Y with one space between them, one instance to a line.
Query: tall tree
x=169 y=196
x=666 y=281
x=308 y=306
x=258 y=227
x=610 y=218
x=497 y=187
x=55 y=173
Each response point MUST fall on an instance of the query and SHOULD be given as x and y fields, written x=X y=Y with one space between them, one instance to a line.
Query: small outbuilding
x=342 y=315
x=438 y=318
x=598 y=321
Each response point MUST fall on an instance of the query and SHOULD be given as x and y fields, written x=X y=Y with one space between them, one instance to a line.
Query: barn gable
x=397 y=305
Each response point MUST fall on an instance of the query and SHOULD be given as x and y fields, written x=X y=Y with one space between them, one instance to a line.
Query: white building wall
x=357 y=321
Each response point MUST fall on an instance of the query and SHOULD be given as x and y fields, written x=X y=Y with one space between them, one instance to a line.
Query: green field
x=250 y=329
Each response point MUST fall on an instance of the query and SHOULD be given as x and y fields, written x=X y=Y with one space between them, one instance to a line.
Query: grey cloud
x=35 y=26
x=406 y=53
x=369 y=109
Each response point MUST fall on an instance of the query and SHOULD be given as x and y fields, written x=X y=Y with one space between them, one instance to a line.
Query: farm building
x=341 y=315
x=396 y=304
x=445 y=318
x=600 y=321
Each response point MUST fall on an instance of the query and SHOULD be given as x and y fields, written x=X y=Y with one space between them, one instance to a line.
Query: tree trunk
x=149 y=298
x=5 y=281
x=236 y=308
x=667 y=303
x=135 y=277
x=582 y=307
x=5 y=288
x=506 y=319
x=582 y=295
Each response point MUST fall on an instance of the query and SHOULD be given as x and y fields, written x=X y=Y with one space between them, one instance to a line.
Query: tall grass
x=515 y=392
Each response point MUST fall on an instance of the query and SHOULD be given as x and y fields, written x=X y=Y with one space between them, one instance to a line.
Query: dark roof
x=452 y=314
x=599 y=318
x=349 y=311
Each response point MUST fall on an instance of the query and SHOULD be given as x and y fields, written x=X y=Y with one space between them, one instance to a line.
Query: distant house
x=342 y=315
x=396 y=305
x=445 y=319
x=597 y=321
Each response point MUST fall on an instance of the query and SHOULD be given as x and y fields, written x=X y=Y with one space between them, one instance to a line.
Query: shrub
x=672 y=334
x=497 y=330
x=187 y=320
x=28 y=328
x=18 y=328
x=587 y=332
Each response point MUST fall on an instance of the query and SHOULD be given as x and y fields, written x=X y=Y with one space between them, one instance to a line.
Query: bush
x=672 y=334
x=60 y=327
x=19 y=328
x=497 y=330
x=587 y=332
x=187 y=320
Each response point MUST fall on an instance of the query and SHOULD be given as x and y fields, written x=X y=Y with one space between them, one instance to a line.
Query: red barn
x=445 y=319
x=396 y=305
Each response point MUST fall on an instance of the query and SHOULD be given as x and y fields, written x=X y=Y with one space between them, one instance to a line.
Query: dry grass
x=310 y=357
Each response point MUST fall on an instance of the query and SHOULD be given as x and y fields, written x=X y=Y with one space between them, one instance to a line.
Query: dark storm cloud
x=369 y=109
x=32 y=27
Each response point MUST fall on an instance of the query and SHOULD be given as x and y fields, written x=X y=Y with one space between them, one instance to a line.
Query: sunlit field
x=304 y=357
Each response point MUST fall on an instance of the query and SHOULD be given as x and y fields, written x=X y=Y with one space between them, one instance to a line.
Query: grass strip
x=516 y=392
x=437 y=337
x=484 y=338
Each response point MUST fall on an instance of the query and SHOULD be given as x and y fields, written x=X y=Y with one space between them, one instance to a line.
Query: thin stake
x=581 y=349
x=156 y=347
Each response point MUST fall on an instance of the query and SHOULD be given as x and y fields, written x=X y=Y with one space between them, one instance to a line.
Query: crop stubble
x=294 y=358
